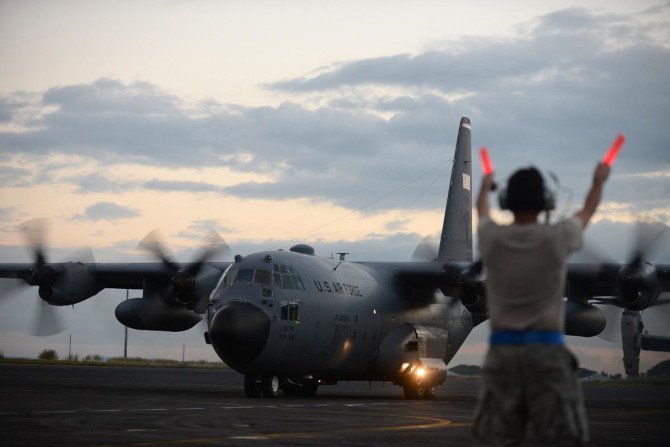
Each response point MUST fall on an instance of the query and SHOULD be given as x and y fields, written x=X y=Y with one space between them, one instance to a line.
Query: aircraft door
x=329 y=342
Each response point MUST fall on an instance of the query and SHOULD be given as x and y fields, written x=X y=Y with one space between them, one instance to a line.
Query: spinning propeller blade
x=426 y=250
x=182 y=281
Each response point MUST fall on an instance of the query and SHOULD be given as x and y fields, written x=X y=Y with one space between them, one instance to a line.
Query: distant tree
x=661 y=369
x=2 y=355
x=48 y=354
x=583 y=372
x=467 y=370
x=616 y=376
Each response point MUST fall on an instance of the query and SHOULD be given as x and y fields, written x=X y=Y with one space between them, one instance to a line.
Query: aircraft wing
x=71 y=282
x=635 y=285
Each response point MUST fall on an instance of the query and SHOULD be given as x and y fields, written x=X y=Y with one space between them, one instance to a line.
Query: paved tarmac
x=112 y=406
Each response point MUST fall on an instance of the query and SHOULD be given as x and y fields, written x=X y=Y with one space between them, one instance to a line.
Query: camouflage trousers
x=530 y=386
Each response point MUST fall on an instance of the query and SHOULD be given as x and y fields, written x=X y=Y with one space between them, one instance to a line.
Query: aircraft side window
x=229 y=275
x=293 y=311
x=283 y=269
x=287 y=282
x=289 y=311
x=291 y=270
x=245 y=275
x=276 y=279
x=297 y=281
x=263 y=277
x=275 y=267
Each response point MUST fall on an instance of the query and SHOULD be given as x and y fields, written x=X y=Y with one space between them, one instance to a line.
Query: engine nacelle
x=67 y=283
x=154 y=314
x=583 y=320
x=638 y=286
x=396 y=349
x=471 y=291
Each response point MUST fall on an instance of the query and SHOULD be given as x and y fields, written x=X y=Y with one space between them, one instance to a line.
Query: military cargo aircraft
x=292 y=321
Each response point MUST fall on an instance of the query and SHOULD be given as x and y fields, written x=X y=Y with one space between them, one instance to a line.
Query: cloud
x=98 y=182
x=6 y=213
x=555 y=95
x=11 y=176
x=106 y=211
x=5 y=111
x=198 y=230
x=180 y=186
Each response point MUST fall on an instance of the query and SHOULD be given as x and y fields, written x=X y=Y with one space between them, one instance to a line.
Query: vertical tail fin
x=456 y=239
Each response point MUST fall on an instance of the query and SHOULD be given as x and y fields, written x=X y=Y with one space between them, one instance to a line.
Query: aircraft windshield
x=282 y=276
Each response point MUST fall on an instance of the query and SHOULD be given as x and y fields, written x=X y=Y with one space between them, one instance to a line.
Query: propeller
x=426 y=250
x=182 y=284
x=46 y=319
x=470 y=288
x=637 y=281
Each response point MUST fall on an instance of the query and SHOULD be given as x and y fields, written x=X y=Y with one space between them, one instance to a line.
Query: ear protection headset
x=549 y=198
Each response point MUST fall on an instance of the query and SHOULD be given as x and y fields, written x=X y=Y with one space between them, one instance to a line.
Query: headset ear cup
x=549 y=200
x=502 y=199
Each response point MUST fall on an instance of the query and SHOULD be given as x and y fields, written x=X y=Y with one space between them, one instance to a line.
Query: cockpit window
x=245 y=275
x=297 y=281
x=282 y=277
x=263 y=277
x=287 y=277
x=229 y=275
x=287 y=282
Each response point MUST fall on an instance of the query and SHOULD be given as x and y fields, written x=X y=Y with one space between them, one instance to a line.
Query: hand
x=601 y=173
x=488 y=184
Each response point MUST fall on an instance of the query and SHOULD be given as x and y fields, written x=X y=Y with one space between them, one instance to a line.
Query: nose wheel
x=252 y=387
x=270 y=385
x=418 y=391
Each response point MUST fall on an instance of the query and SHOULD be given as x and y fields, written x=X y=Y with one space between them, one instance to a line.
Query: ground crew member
x=529 y=376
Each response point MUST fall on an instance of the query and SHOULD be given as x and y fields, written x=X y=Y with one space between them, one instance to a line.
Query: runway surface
x=111 y=406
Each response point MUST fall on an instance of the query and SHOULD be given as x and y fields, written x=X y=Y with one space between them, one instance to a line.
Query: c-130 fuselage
x=291 y=320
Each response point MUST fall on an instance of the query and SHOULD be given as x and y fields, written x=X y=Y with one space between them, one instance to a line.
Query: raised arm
x=483 y=196
x=600 y=175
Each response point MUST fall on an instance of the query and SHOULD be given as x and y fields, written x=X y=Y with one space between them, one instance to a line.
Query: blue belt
x=526 y=337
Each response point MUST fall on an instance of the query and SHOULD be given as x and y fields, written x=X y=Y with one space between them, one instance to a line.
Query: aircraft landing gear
x=252 y=387
x=270 y=385
x=417 y=391
x=307 y=389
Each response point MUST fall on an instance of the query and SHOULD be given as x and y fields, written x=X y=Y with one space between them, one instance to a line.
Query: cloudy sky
x=327 y=123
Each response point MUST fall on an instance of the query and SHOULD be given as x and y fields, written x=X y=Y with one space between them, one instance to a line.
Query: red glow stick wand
x=611 y=154
x=487 y=167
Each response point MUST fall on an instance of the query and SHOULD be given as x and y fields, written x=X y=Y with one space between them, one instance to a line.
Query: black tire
x=411 y=391
x=309 y=389
x=428 y=392
x=252 y=387
x=290 y=389
x=270 y=386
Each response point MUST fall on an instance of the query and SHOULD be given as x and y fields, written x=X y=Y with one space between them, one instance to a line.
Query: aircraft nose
x=238 y=333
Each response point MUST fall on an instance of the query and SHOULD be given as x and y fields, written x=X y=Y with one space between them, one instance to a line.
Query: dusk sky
x=329 y=123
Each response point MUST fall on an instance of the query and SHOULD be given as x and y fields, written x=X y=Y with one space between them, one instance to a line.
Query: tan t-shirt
x=526 y=269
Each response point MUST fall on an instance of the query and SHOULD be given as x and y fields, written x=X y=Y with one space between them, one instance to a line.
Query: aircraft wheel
x=428 y=392
x=270 y=385
x=411 y=391
x=252 y=387
x=290 y=389
x=310 y=388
